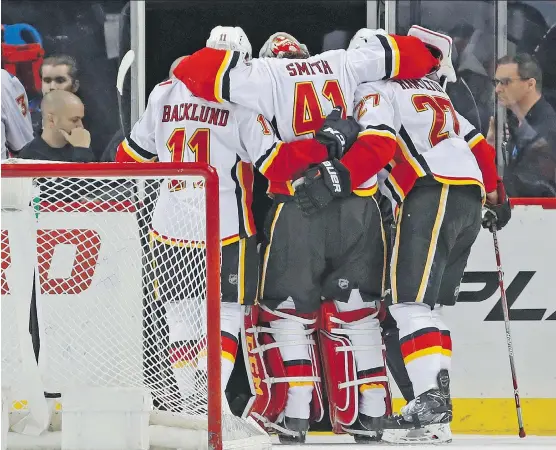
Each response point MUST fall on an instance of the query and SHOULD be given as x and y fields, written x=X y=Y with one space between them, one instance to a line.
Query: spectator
x=16 y=119
x=530 y=141
x=56 y=72
x=63 y=137
x=475 y=66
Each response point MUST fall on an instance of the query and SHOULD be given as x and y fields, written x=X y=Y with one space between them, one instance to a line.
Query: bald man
x=63 y=137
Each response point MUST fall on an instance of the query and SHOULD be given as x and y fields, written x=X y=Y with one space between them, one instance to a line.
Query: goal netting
x=111 y=279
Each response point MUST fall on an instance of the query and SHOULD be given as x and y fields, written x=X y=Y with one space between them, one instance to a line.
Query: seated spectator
x=57 y=72
x=16 y=119
x=530 y=142
x=63 y=137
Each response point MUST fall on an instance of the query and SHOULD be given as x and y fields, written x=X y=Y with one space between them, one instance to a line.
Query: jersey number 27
x=440 y=106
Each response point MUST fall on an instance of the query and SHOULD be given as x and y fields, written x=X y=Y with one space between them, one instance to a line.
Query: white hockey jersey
x=17 y=129
x=177 y=126
x=432 y=139
x=297 y=95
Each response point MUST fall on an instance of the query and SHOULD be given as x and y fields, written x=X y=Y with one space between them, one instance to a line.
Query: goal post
x=125 y=260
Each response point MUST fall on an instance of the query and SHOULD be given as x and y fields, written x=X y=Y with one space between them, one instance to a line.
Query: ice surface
x=331 y=442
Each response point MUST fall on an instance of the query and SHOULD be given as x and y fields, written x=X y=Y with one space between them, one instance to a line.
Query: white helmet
x=283 y=44
x=362 y=37
x=442 y=43
x=230 y=38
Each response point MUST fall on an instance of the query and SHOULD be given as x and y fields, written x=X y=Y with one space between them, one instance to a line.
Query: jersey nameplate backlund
x=195 y=113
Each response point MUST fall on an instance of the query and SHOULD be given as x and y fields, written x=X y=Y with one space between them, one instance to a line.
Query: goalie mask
x=283 y=45
x=230 y=38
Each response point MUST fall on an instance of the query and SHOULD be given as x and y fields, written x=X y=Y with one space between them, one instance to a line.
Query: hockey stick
x=126 y=63
x=508 y=333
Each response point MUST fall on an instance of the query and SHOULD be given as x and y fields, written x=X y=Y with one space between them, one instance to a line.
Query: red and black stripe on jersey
x=242 y=175
x=206 y=73
x=130 y=151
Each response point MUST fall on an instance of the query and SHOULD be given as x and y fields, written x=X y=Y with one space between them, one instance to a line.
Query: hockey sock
x=420 y=343
x=369 y=361
x=186 y=347
x=230 y=324
x=297 y=362
x=183 y=359
x=446 y=359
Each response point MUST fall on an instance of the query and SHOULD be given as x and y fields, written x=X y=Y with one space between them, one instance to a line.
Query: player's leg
x=355 y=249
x=292 y=264
x=178 y=286
x=389 y=327
x=394 y=358
x=468 y=199
x=420 y=253
x=239 y=283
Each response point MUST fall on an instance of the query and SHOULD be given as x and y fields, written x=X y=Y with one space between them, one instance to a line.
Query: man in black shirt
x=63 y=137
x=530 y=141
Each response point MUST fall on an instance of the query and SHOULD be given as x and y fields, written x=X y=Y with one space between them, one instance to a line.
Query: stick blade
x=126 y=63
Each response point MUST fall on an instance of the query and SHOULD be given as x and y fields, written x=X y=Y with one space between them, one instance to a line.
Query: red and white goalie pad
x=343 y=383
x=269 y=377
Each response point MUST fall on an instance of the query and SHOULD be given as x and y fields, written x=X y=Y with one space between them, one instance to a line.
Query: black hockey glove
x=497 y=216
x=338 y=134
x=320 y=185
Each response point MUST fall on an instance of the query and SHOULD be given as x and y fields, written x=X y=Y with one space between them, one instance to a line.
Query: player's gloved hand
x=498 y=209
x=321 y=184
x=338 y=134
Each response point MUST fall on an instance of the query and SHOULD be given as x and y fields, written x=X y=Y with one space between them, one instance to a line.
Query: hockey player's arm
x=376 y=143
x=16 y=118
x=484 y=153
x=277 y=160
x=391 y=56
x=140 y=145
x=221 y=75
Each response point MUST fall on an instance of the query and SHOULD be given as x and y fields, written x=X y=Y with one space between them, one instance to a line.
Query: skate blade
x=431 y=434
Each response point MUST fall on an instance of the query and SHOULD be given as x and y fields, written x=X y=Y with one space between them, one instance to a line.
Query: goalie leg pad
x=280 y=353
x=353 y=358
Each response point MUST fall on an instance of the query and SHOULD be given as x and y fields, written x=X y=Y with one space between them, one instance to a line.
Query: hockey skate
x=430 y=434
x=291 y=430
x=366 y=429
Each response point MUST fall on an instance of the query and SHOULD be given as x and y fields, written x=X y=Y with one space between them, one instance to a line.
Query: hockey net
x=118 y=266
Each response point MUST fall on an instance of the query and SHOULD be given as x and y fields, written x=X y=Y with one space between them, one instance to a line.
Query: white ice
x=331 y=442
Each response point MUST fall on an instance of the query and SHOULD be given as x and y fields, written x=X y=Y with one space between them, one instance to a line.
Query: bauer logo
x=490 y=290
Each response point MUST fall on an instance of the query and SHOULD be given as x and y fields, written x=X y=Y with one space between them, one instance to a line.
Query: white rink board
x=480 y=355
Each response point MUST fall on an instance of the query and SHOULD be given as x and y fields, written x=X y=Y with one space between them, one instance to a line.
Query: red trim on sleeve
x=367 y=156
x=486 y=158
x=122 y=155
x=416 y=60
x=204 y=64
x=295 y=157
